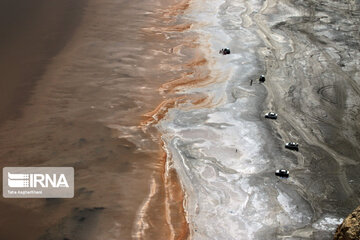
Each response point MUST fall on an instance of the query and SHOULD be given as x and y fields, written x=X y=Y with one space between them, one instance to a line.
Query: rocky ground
x=350 y=228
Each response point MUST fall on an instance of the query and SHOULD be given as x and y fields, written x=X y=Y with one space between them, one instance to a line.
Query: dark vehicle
x=225 y=51
x=282 y=173
x=271 y=115
x=292 y=146
x=262 y=79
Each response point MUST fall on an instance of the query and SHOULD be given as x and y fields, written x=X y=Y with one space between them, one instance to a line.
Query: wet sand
x=88 y=107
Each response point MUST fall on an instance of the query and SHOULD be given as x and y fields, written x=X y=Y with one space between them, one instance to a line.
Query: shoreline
x=203 y=71
x=86 y=112
x=175 y=214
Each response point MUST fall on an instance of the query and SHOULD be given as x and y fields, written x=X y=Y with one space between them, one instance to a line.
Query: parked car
x=262 y=78
x=282 y=173
x=292 y=146
x=271 y=115
x=225 y=51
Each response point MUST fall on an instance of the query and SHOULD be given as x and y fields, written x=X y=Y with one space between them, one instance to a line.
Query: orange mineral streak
x=174 y=207
x=160 y=111
x=174 y=28
x=176 y=9
x=184 y=82
x=177 y=28
x=162 y=215
x=142 y=222
x=174 y=195
x=200 y=101
x=197 y=62
x=166 y=199
x=196 y=76
x=189 y=42
x=175 y=199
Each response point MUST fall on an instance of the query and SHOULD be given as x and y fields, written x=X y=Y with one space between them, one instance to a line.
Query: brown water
x=77 y=81
x=31 y=33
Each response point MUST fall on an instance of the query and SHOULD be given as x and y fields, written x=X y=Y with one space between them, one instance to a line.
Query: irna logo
x=19 y=180
x=38 y=182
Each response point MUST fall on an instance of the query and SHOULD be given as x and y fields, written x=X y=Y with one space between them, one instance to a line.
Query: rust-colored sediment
x=187 y=80
x=173 y=28
x=162 y=215
x=175 y=205
x=160 y=111
x=176 y=9
x=200 y=100
x=196 y=76
x=191 y=43
x=177 y=28
x=174 y=199
x=197 y=62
